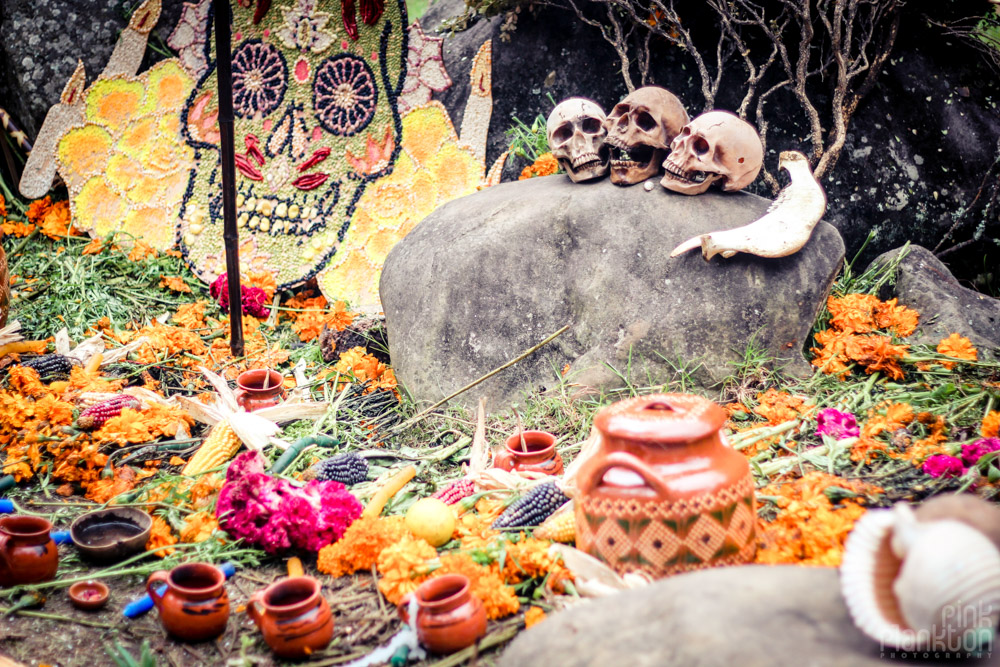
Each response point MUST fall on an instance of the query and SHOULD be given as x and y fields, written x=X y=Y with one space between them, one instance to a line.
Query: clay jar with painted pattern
x=27 y=553
x=293 y=617
x=195 y=607
x=663 y=492
x=541 y=455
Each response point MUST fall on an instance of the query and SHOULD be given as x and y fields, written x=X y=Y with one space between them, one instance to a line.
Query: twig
x=57 y=617
x=520 y=430
x=378 y=594
x=421 y=415
x=488 y=642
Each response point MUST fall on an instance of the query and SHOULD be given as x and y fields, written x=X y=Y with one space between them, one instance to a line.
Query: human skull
x=717 y=146
x=576 y=138
x=640 y=129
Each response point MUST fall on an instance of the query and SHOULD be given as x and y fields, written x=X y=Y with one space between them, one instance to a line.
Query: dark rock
x=917 y=151
x=945 y=306
x=752 y=616
x=366 y=332
x=487 y=276
x=43 y=39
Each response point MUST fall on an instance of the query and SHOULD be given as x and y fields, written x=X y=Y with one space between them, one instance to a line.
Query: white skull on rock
x=576 y=135
x=640 y=129
x=716 y=147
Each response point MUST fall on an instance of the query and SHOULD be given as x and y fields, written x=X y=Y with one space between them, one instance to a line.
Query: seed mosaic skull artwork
x=315 y=95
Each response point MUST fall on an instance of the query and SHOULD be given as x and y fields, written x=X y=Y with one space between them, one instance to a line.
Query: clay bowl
x=88 y=595
x=110 y=535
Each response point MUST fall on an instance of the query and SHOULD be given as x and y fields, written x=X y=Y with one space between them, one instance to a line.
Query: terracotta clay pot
x=27 y=553
x=663 y=493
x=88 y=595
x=449 y=618
x=251 y=393
x=295 y=620
x=540 y=457
x=195 y=606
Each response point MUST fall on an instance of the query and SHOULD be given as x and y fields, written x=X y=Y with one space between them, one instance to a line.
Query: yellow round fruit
x=431 y=520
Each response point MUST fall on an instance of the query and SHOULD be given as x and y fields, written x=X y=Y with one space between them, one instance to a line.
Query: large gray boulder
x=923 y=283
x=751 y=616
x=487 y=276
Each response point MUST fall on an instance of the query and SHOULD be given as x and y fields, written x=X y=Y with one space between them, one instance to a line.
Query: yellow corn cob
x=221 y=445
x=559 y=527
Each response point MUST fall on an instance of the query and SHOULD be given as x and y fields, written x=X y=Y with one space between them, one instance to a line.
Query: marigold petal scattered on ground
x=991 y=425
x=956 y=347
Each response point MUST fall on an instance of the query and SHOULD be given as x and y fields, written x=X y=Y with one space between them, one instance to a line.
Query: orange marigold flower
x=361 y=544
x=364 y=368
x=198 y=527
x=103 y=490
x=264 y=280
x=545 y=165
x=778 y=407
x=3 y=206
x=191 y=315
x=14 y=228
x=853 y=313
x=900 y=319
x=161 y=535
x=991 y=425
x=896 y=416
x=533 y=616
x=56 y=221
x=175 y=284
x=94 y=247
x=403 y=566
x=38 y=208
x=25 y=380
x=876 y=353
x=956 y=347
x=141 y=251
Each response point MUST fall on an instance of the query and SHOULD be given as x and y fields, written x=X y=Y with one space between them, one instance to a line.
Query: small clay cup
x=540 y=457
x=293 y=616
x=88 y=595
x=110 y=535
x=195 y=606
x=449 y=618
x=27 y=553
x=252 y=395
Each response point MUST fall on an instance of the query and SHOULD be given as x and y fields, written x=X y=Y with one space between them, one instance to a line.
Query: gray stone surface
x=487 y=276
x=945 y=306
x=752 y=616
x=42 y=40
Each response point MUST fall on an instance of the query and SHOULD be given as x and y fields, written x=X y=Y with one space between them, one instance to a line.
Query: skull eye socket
x=563 y=133
x=620 y=110
x=645 y=122
x=700 y=146
x=591 y=125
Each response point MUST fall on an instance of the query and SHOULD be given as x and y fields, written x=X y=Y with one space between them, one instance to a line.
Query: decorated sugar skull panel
x=314 y=98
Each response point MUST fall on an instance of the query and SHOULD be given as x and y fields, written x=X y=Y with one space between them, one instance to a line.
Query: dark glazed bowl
x=111 y=535
x=88 y=595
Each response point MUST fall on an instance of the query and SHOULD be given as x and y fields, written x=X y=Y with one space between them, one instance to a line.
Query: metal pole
x=230 y=234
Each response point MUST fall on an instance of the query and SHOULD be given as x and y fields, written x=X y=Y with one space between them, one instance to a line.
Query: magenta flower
x=971 y=453
x=836 y=424
x=942 y=465
x=254 y=299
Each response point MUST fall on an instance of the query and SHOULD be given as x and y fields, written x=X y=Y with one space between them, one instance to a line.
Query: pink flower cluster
x=253 y=299
x=836 y=424
x=275 y=515
x=942 y=465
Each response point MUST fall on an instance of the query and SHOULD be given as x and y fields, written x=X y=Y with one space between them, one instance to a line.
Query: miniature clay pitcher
x=27 y=553
x=295 y=620
x=540 y=457
x=449 y=618
x=259 y=388
x=195 y=606
x=663 y=493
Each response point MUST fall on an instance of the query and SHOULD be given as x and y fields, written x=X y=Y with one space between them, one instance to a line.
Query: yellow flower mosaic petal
x=154 y=225
x=123 y=173
x=425 y=130
x=113 y=102
x=84 y=152
x=98 y=207
x=455 y=172
x=139 y=134
x=167 y=88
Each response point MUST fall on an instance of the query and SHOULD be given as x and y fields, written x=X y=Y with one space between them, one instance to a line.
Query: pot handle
x=403 y=608
x=252 y=610
x=629 y=462
x=158 y=577
x=503 y=459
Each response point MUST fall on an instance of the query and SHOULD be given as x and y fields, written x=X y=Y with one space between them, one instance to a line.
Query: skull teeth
x=689 y=176
x=585 y=159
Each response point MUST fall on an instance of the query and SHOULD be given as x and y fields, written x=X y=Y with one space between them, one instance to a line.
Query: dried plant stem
x=527 y=353
x=58 y=617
